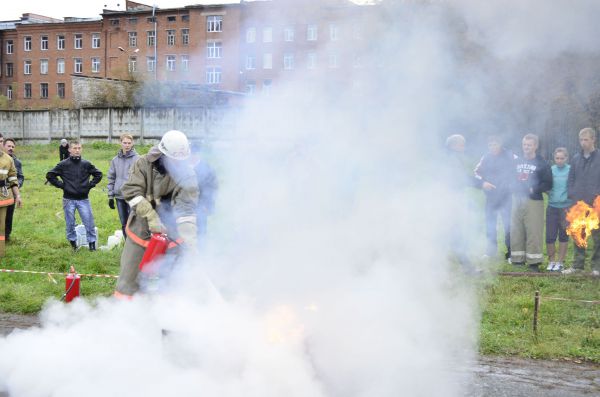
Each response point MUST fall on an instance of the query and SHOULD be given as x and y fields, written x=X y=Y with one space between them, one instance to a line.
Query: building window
x=60 y=89
x=95 y=40
x=172 y=18
x=311 y=60
x=43 y=66
x=333 y=32
x=250 y=35
x=250 y=87
x=288 y=61
x=333 y=61
x=185 y=18
x=60 y=42
x=9 y=92
x=27 y=90
x=44 y=90
x=78 y=41
x=27 y=67
x=132 y=39
x=60 y=66
x=150 y=64
x=214 y=49
x=114 y=22
x=266 y=87
x=132 y=65
x=268 y=61
x=214 y=23
x=171 y=63
x=95 y=65
x=267 y=35
x=185 y=63
x=10 y=47
x=44 y=43
x=78 y=65
x=132 y=20
x=171 y=37
x=250 y=62
x=27 y=43
x=185 y=36
x=151 y=19
x=213 y=75
x=311 y=32
x=150 y=38
x=288 y=33
x=9 y=69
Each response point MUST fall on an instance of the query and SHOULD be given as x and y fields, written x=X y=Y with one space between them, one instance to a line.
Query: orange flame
x=582 y=220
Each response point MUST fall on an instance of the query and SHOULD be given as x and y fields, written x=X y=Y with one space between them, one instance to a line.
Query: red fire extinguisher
x=157 y=247
x=72 y=284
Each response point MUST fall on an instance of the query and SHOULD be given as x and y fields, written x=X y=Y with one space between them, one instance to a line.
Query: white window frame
x=47 y=89
x=214 y=23
x=60 y=42
x=334 y=33
x=150 y=38
x=27 y=65
x=250 y=62
x=250 y=35
x=43 y=66
x=27 y=43
x=10 y=47
x=95 y=65
x=9 y=92
x=312 y=32
x=58 y=90
x=44 y=43
x=333 y=61
x=288 y=33
x=267 y=34
x=150 y=64
x=77 y=65
x=96 y=40
x=171 y=63
x=27 y=88
x=267 y=60
x=171 y=37
x=132 y=64
x=185 y=36
x=78 y=41
x=60 y=66
x=288 y=61
x=311 y=60
x=185 y=63
x=250 y=87
x=266 y=86
x=214 y=49
x=132 y=39
x=213 y=75
x=10 y=69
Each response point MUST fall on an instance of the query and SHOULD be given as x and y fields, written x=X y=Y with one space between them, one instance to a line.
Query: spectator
x=584 y=184
x=9 y=192
x=118 y=173
x=207 y=186
x=556 y=212
x=75 y=183
x=495 y=170
x=533 y=176
x=63 y=149
x=9 y=148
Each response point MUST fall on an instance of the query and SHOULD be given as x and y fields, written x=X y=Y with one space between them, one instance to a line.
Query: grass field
x=567 y=329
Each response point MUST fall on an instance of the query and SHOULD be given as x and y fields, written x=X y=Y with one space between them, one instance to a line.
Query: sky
x=90 y=8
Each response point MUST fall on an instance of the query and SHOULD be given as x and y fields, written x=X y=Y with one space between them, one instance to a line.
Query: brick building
x=242 y=47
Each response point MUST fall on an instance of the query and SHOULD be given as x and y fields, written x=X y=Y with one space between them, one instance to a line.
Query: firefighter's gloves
x=144 y=209
x=111 y=203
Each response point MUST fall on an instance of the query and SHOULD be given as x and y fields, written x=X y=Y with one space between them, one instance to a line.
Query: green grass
x=565 y=330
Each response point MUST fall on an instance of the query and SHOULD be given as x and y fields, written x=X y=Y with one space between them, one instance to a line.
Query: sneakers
x=551 y=266
x=571 y=270
x=595 y=273
x=555 y=267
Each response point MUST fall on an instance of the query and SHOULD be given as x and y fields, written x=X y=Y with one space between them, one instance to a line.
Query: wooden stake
x=536 y=307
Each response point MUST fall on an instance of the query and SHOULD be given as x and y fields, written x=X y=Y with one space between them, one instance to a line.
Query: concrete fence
x=42 y=126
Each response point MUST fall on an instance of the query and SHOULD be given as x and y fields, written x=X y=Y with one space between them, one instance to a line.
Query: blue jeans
x=85 y=212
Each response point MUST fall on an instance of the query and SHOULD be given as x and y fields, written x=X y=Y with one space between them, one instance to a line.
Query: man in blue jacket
x=74 y=174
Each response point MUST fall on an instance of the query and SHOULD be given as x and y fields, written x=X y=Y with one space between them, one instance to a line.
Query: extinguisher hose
x=62 y=298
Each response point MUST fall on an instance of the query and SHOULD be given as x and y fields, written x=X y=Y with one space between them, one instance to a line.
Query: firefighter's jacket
x=8 y=179
x=173 y=198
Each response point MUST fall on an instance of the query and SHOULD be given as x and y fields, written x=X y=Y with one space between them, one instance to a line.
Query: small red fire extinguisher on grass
x=72 y=284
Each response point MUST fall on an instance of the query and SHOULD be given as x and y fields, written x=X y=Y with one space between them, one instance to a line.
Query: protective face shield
x=174 y=144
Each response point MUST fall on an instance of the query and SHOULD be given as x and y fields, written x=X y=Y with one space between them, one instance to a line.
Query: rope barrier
x=552 y=298
x=56 y=274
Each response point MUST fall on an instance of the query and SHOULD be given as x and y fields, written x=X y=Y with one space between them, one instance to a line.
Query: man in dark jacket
x=9 y=148
x=532 y=176
x=496 y=172
x=584 y=185
x=75 y=183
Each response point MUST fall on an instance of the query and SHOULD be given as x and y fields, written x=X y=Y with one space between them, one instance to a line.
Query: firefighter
x=9 y=192
x=162 y=192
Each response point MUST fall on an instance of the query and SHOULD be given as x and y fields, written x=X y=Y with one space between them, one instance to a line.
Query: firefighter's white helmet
x=174 y=144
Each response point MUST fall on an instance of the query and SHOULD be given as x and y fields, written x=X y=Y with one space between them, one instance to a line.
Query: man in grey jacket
x=118 y=173
x=584 y=184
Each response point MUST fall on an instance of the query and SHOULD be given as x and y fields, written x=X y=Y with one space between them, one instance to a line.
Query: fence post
x=536 y=307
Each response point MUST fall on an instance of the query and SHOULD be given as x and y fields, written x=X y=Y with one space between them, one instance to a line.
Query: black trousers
x=10 y=210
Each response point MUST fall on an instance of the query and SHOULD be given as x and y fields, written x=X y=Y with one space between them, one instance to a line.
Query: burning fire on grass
x=582 y=220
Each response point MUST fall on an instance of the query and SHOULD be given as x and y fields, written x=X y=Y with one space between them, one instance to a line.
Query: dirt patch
x=8 y=322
